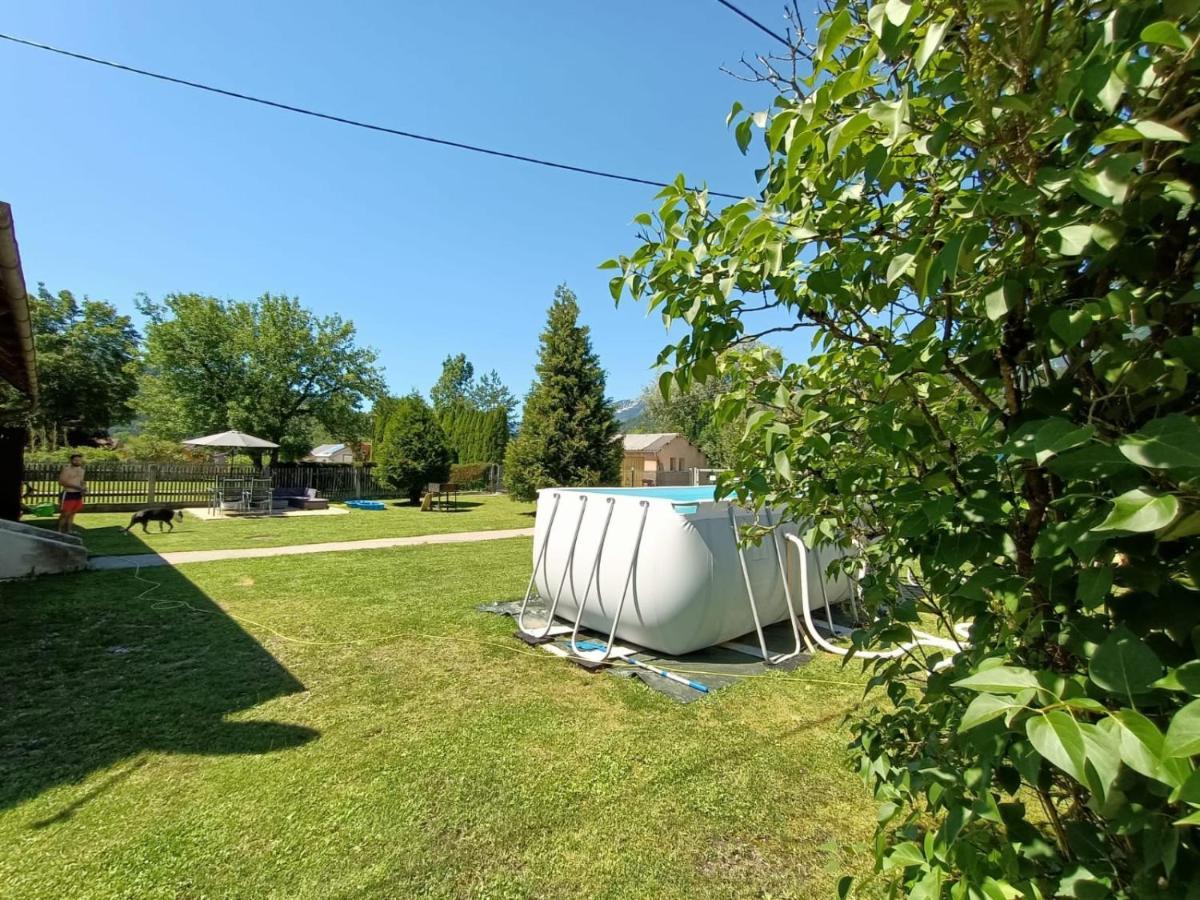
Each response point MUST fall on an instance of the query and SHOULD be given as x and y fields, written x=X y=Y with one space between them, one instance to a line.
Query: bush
x=413 y=452
x=986 y=215
x=470 y=476
x=147 y=448
x=63 y=454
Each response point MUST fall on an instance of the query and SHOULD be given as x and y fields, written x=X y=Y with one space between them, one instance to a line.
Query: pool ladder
x=798 y=634
x=544 y=630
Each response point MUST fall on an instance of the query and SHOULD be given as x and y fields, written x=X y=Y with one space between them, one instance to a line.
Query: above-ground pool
x=672 y=554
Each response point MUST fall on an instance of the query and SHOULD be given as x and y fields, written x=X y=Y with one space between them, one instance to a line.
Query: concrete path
x=148 y=560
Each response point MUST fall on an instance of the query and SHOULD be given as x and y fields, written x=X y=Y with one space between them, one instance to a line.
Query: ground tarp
x=714 y=667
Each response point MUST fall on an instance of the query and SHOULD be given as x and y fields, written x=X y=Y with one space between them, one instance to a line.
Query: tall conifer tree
x=568 y=429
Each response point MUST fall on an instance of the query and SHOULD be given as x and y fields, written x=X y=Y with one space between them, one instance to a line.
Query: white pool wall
x=687 y=591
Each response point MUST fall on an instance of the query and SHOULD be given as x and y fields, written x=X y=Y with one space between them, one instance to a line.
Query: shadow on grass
x=461 y=506
x=108 y=540
x=97 y=668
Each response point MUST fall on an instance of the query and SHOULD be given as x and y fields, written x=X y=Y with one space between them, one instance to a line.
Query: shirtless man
x=73 y=483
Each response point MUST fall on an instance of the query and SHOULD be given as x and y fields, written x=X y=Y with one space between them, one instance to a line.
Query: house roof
x=328 y=450
x=17 y=359
x=648 y=443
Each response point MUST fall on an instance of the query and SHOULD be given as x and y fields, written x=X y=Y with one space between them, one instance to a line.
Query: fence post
x=151 y=483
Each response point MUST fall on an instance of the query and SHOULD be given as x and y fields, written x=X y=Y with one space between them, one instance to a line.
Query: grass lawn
x=103 y=536
x=329 y=742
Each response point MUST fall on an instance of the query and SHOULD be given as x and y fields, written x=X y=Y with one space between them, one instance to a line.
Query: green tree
x=413 y=451
x=268 y=367
x=454 y=384
x=985 y=215
x=694 y=412
x=475 y=435
x=489 y=393
x=88 y=361
x=568 y=430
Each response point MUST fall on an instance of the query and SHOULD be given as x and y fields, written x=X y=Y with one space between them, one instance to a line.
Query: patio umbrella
x=231 y=439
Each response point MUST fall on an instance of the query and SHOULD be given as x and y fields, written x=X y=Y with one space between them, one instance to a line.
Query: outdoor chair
x=258 y=495
x=229 y=495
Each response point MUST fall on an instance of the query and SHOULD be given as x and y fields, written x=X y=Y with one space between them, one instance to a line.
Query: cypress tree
x=568 y=427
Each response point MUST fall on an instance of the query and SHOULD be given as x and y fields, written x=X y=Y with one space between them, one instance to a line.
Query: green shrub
x=413 y=452
x=985 y=215
x=63 y=454
x=470 y=476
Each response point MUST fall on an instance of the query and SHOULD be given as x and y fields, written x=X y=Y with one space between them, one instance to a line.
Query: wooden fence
x=121 y=486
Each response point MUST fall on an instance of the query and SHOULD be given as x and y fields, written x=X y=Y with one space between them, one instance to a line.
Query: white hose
x=922 y=638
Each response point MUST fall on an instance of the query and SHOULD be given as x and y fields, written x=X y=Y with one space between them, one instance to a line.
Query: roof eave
x=16 y=302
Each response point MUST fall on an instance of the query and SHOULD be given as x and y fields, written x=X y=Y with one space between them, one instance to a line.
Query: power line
x=342 y=120
x=753 y=21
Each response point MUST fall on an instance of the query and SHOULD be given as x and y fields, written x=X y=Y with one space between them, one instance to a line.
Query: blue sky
x=121 y=185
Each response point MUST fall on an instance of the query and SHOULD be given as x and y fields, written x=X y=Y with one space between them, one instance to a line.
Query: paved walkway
x=147 y=560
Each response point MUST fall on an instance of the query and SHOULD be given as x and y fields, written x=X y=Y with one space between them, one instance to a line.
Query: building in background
x=662 y=458
x=337 y=454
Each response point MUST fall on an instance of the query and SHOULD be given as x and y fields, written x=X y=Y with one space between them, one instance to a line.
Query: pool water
x=675 y=494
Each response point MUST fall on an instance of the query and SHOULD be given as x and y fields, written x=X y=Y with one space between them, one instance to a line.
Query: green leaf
x=1116 y=134
x=743 y=133
x=783 y=465
x=898 y=266
x=1167 y=34
x=1092 y=461
x=1185 y=678
x=983 y=708
x=1071 y=325
x=1042 y=439
x=1093 y=586
x=931 y=42
x=1057 y=737
x=844 y=132
x=1183 y=734
x=1185 y=526
x=1189 y=791
x=1141 y=745
x=897 y=11
x=1168 y=443
x=1070 y=240
x=832 y=37
x=905 y=853
x=1193 y=819
x=1124 y=665
x=664 y=384
x=1139 y=511
x=1156 y=131
x=1000 y=680
x=1000 y=297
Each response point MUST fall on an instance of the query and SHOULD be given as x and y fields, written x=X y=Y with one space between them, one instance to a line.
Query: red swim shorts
x=70 y=507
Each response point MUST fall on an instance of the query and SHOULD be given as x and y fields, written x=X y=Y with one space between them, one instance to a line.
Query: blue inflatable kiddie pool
x=376 y=505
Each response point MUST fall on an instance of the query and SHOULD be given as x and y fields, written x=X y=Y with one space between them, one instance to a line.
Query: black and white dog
x=160 y=514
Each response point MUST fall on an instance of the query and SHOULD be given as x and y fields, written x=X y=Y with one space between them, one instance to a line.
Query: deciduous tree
x=269 y=367
x=985 y=214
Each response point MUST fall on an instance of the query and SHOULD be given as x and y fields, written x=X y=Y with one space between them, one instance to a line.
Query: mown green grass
x=330 y=743
x=103 y=534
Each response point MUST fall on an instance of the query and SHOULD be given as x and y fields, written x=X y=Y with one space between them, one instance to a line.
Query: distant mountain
x=629 y=410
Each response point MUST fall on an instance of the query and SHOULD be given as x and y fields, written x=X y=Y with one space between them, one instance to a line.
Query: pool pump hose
x=922 y=639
